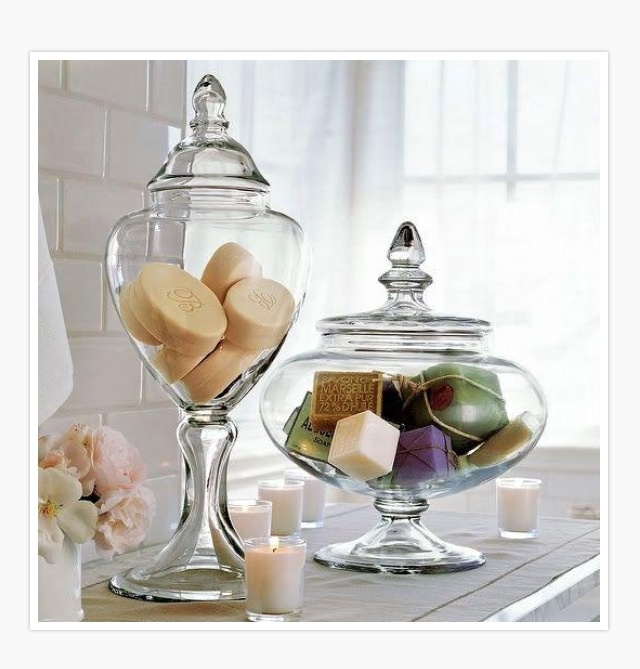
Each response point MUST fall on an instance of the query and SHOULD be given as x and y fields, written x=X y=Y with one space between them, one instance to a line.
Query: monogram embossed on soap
x=259 y=312
x=177 y=309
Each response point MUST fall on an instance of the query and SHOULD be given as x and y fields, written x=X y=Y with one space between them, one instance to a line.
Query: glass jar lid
x=209 y=158
x=404 y=320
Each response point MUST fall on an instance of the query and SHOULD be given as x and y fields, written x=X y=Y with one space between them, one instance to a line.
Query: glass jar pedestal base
x=399 y=544
x=204 y=560
x=208 y=582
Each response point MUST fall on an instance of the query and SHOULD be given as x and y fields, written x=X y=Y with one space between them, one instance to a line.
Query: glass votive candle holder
x=286 y=498
x=518 y=502
x=273 y=572
x=314 y=497
x=250 y=517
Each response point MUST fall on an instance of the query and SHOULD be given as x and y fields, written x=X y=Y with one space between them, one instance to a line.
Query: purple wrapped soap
x=423 y=454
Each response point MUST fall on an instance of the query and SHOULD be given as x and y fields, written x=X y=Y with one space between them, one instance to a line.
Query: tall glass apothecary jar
x=207 y=281
x=405 y=405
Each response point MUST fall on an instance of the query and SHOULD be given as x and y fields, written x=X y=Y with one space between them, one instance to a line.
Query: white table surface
x=554 y=577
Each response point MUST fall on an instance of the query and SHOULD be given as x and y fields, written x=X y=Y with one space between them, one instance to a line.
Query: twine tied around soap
x=404 y=383
x=450 y=455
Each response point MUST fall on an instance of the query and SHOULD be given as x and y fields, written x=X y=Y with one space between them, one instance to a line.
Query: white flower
x=61 y=513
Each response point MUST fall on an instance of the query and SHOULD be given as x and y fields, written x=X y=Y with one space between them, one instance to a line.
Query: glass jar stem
x=399 y=544
x=204 y=559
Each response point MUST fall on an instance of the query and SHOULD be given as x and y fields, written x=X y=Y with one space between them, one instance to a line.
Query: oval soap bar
x=173 y=365
x=177 y=309
x=259 y=312
x=228 y=265
x=220 y=368
x=133 y=325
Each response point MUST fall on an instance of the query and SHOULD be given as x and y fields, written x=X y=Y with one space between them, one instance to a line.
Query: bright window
x=502 y=164
x=496 y=162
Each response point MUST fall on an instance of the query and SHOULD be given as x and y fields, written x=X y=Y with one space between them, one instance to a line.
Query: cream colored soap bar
x=259 y=312
x=173 y=365
x=133 y=325
x=177 y=309
x=506 y=441
x=220 y=368
x=228 y=265
x=364 y=446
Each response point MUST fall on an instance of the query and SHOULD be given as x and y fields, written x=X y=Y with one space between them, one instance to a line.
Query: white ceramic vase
x=60 y=586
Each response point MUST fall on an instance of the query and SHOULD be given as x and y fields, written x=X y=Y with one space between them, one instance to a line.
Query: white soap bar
x=177 y=309
x=133 y=325
x=220 y=368
x=259 y=312
x=364 y=446
x=228 y=265
x=173 y=365
x=507 y=441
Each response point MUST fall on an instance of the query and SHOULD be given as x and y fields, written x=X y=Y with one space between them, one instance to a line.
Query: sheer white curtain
x=497 y=164
x=502 y=170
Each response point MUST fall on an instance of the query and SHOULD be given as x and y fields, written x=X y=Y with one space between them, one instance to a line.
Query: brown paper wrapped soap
x=337 y=395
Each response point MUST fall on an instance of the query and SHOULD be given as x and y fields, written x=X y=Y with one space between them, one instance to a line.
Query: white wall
x=105 y=127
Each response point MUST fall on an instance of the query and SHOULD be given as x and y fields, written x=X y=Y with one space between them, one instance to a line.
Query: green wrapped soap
x=301 y=439
x=462 y=400
x=291 y=420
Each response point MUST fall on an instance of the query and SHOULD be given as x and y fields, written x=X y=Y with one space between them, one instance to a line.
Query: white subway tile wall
x=71 y=135
x=105 y=127
x=91 y=207
x=106 y=373
x=137 y=146
x=122 y=83
x=50 y=73
x=79 y=281
x=49 y=194
x=166 y=88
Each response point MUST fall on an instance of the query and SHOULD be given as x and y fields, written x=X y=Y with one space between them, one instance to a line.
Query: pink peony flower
x=117 y=464
x=67 y=454
x=108 y=471
x=124 y=518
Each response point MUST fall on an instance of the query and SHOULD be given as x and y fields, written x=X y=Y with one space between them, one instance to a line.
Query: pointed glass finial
x=406 y=249
x=406 y=254
x=209 y=158
x=209 y=100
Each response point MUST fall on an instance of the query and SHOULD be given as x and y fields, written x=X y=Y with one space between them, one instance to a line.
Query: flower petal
x=45 y=444
x=58 y=486
x=50 y=538
x=88 y=483
x=78 y=521
x=109 y=501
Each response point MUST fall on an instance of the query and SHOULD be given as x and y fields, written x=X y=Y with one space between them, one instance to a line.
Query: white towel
x=55 y=369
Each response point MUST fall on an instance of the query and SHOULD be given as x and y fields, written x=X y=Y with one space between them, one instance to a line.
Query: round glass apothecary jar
x=207 y=281
x=405 y=405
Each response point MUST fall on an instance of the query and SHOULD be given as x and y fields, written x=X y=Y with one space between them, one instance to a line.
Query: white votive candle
x=250 y=517
x=518 y=501
x=286 y=499
x=314 y=497
x=273 y=572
